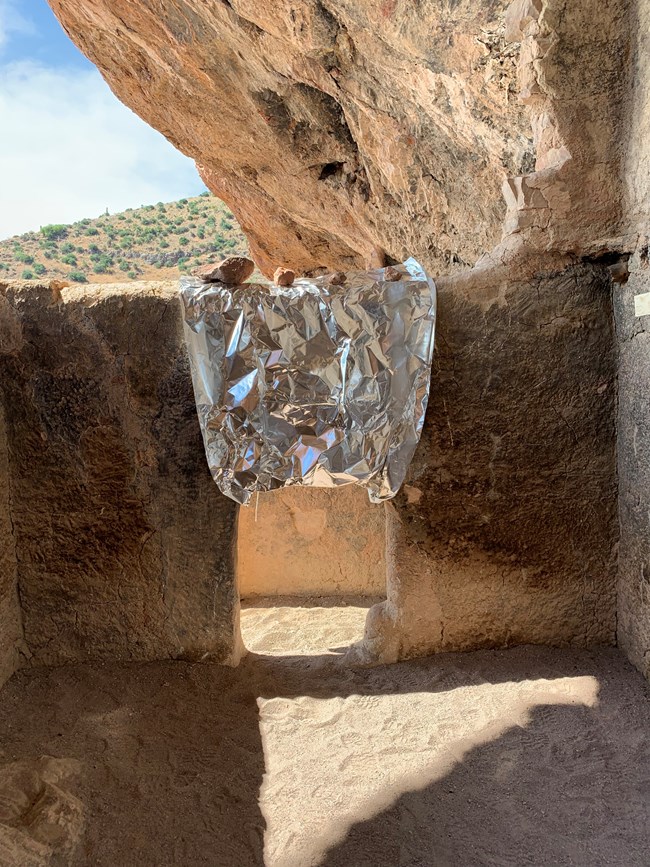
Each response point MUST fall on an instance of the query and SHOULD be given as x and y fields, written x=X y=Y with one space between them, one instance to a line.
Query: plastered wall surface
x=634 y=468
x=125 y=548
x=312 y=541
x=506 y=529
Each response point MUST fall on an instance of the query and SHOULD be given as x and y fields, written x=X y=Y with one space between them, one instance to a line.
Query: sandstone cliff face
x=330 y=128
x=341 y=131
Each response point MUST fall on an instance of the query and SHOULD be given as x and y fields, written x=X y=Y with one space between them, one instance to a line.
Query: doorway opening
x=310 y=563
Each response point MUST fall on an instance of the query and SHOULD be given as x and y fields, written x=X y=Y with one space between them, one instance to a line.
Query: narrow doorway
x=310 y=563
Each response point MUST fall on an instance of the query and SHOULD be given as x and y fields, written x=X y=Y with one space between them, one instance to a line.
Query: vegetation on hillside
x=155 y=242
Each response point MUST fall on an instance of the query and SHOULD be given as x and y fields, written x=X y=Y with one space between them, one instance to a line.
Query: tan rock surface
x=303 y=541
x=40 y=821
x=331 y=130
x=284 y=277
x=232 y=271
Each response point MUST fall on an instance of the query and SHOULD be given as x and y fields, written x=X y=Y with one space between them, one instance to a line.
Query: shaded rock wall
x=633 y=335
x=634 y=468
x=506 y=529
x=125 y=548
x=10 y=618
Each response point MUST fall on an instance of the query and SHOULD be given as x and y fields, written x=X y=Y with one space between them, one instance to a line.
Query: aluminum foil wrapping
x=313 y=384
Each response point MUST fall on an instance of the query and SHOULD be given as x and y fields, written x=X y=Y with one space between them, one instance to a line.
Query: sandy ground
x=530 y=756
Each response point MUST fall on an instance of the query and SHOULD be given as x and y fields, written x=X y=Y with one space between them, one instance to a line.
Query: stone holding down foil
x=313 y=384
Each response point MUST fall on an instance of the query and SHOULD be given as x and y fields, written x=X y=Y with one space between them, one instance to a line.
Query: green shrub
x=91 y=231
x=103 y=264
x=132 y=275
x=125 y=266
x=39 y=268
x=204 y=194
x=54 y=232
x=27 y=274
x=183 y=241
x=68 y=248
x=78 y=276
x=163 y=244
x=69 y=259
x=49 y=254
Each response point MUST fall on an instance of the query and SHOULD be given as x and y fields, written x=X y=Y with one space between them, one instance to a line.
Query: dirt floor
x=529 y=756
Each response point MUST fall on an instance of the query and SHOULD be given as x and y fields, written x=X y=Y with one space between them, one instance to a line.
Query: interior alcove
x=310 y=563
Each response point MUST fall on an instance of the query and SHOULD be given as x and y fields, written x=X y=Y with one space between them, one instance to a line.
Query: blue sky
x=69 y=149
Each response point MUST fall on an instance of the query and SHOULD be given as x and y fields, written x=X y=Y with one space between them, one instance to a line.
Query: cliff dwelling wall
x=633 y=334
x=505 y=532
x=10 y=617
x=342 y=135
x=124 y=545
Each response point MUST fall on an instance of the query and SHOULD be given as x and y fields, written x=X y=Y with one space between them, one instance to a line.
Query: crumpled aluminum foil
x=313 y=384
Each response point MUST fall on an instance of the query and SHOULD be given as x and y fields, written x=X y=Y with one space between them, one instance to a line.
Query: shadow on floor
x=557 y=792
x=173 y=756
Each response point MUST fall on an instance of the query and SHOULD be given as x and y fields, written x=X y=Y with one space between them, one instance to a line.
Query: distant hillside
x=155 y=242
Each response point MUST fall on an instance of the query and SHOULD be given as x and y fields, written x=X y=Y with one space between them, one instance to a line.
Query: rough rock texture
x=634 y=370
x=634 y=468
x=303 y=541
x=40 y=821
x=10 y=617
x=125 y=548
x=232 y=270
x=505 y=532
x=339 y=128
x=352 y=131
x=331 y=128
x=506 y=529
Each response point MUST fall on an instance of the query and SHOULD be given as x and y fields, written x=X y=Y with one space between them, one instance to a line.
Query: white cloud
x=12 y=21
x=69 y=149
